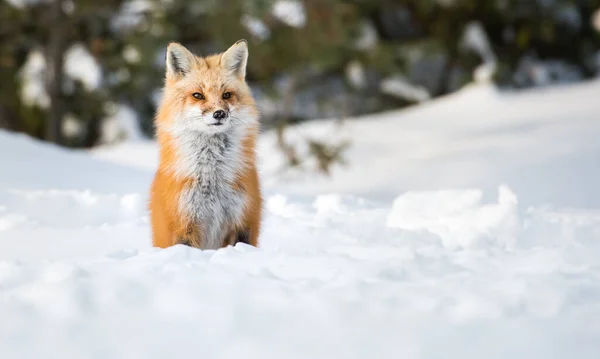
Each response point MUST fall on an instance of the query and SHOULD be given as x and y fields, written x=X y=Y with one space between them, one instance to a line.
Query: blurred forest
x=81 y=73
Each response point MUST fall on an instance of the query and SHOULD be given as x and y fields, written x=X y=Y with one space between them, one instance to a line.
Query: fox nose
x=220 y=115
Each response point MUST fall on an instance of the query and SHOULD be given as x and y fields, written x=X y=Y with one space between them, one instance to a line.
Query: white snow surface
x=468 y=227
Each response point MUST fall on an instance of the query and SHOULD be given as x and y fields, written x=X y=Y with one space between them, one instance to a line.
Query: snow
x=466 y=227
x=256 y=26
x=68 y=6
x=72 y=126
x=355 y=73
x=595 y=20
x=569 y=14
x=34 y=166
x=540 y=143
x=457 y=216
x=131 y=14
x=122 y=122
x=532 y=71
x=290 y=12
x=400 y=87
x=81 y=65
x=33 y=91
x=131 y=54
x=23 y=3
x=368 y=37
x=475 y=38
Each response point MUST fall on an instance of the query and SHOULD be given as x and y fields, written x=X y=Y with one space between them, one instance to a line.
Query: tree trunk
x=55 y=53
x=7 y=119
x=92 y=133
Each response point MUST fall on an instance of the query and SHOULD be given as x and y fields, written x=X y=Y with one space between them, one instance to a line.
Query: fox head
x=207 y=94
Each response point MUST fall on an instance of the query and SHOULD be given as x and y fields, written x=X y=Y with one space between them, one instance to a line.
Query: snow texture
x=464 y=228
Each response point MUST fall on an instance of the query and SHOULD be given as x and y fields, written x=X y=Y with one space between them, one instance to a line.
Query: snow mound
x=458 y=216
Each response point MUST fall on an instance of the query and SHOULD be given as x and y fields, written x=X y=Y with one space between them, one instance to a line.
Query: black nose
x=220 y=115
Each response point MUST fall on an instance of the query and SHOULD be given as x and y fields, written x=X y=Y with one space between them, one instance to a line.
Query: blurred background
x=84 y=73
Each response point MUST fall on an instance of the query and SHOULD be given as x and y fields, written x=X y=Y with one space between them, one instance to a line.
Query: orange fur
x=208 y=76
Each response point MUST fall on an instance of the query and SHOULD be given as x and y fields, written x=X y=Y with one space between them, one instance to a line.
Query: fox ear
x=235 y=58
x=179 y=60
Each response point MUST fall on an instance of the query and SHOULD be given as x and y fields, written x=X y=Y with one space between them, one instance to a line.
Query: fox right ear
x=235 y=58
x=179 y=60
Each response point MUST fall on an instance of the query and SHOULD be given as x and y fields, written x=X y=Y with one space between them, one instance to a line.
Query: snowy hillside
x=542 y=143
x=465 y=228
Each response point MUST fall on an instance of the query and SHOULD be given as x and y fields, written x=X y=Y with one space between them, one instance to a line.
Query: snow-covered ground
x=468 y=227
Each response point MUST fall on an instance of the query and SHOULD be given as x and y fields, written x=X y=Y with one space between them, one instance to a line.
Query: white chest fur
x=213 y=161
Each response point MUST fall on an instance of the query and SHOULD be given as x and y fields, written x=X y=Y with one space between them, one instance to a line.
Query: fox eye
x=226 y=95
x=198 y=96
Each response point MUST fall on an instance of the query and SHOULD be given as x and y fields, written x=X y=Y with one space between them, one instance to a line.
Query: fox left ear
x=179 y=60
x=235 y=58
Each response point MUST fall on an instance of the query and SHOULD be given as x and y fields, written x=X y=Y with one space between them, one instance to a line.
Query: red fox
x=206 y=191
